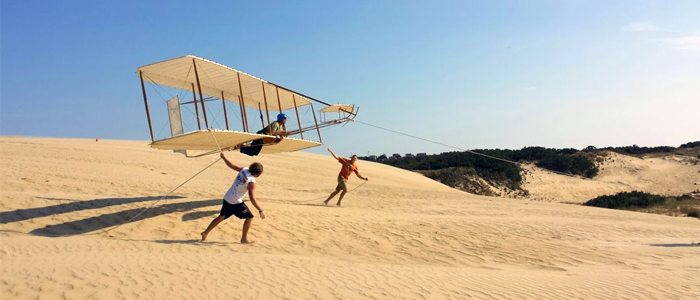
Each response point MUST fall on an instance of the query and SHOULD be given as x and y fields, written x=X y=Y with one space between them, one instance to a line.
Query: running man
x=348 y=167
x=233 y=200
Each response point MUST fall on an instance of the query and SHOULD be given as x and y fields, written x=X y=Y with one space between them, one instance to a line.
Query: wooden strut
x=317 y=129
x=243 y=110
x=267 y=111
x=196 y=109
x=279 y=105
x=223 y=102
x=320 y=125
x=262 y=121
x=145 y=102
x=350 y=117
x=201 y=96
x=296 y=110
x=240 y=106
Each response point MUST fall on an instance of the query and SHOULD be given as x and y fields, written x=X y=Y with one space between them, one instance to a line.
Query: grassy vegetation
x=645 y=202
x=626 y=200
x=467 y=179
x=453 y=167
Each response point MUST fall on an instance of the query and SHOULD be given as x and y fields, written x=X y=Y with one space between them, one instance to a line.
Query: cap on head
x=256 y=169
x=281 y=117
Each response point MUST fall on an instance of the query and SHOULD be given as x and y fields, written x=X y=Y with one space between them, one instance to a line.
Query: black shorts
x=240 y=210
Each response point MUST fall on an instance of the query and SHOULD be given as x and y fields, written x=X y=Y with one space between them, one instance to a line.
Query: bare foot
x=246 y=242
x=325 y=202
x=204 y=235
x=337 y=204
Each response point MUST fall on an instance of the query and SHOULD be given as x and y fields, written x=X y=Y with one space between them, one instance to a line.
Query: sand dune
x=670 y=175
x=400 y=236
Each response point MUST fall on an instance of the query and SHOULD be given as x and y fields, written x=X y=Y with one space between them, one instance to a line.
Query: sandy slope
x=671 y=175
x=399 y=236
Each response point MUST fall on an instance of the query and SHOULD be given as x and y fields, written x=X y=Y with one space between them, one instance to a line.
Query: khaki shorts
x=341 y=184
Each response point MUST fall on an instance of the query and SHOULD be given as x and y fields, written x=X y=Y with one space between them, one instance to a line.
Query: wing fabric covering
x=205 y=140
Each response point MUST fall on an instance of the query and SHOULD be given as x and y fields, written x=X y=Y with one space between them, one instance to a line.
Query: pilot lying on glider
x=275 y=128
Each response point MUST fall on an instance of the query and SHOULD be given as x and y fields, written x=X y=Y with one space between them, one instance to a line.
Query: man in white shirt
x=233 y=200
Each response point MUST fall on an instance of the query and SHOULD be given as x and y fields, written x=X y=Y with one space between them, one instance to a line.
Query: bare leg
x=331 y=196
x=341 y=196
x=211 y=226
x=246 y=226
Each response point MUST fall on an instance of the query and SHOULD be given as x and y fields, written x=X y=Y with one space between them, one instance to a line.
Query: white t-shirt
x=237 y=191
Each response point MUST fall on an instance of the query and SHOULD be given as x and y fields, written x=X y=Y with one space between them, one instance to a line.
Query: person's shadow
x=38 y=212
x=119 y=218
x=190 y=216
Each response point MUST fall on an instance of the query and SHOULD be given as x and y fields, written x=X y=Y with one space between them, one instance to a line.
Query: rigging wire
x=104 y=231
x=461 y=149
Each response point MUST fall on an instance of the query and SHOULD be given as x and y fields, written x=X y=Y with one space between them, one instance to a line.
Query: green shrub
x=562 y=160
x=573 y=164
x=626 y=200
x=691 y=211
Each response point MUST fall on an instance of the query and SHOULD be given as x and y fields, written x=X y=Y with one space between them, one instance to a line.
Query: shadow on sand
x=119 y=218
x=190 y=216
x=183 y=242
x=38 y=212
x=676 y=245
x=195 y=242
x=302 y=203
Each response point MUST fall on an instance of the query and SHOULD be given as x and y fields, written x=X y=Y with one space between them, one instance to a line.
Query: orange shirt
x=347 y=168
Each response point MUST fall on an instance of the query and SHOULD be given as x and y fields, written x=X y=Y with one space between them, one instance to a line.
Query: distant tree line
x=691 y=145
x=636 y=150
x=562 y=160
x=455 y=165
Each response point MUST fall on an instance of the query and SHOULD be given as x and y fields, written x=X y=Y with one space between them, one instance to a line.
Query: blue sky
x=475 y=74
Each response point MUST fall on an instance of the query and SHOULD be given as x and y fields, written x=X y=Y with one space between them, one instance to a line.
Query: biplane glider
x=216 y=89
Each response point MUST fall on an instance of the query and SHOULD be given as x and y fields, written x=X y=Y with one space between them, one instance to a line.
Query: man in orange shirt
x=344 y=175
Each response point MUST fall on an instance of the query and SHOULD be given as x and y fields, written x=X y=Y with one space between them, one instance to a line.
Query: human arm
x=360 y=176
x=279 y=133
x=332 y=153
x=251 y=194
x=277 y=129
x=229 y=163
